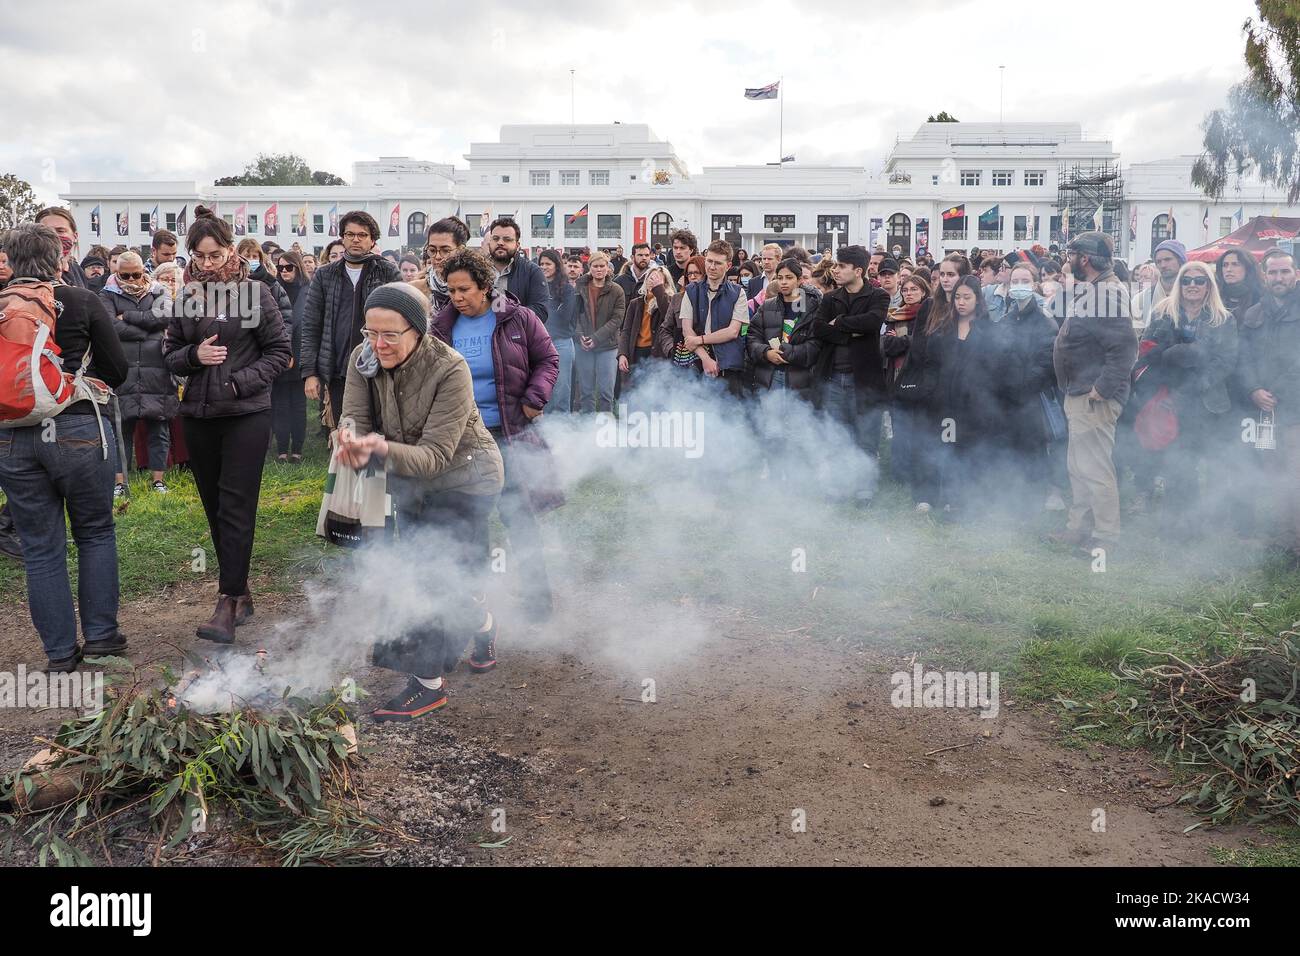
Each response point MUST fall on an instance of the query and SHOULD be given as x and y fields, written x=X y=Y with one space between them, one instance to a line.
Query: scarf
x=136 y=289
x=234 y=269
x=367 y=361
x=358 y=259
x=899 y=318
x=438 y=293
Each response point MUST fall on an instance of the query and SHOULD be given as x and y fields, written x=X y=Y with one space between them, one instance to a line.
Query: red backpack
x=33 y=385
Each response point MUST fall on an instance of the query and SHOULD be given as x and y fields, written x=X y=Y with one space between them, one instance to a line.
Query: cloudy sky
x=192 y=91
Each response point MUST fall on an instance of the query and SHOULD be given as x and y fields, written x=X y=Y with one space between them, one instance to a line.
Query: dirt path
x=745 y=732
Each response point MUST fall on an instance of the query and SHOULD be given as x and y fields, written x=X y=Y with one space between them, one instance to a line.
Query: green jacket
x=425 y=408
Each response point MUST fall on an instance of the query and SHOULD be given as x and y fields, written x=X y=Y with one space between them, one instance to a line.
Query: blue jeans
x=861 y=415
x=596 y=371
x=41 y=479
x=562 y=394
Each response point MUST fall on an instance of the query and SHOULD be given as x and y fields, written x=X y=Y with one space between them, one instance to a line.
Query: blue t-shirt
x=471 y=336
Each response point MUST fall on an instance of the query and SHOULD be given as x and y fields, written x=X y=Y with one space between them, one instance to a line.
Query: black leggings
x=226 y=457
x=289 y=415
x=450 y=529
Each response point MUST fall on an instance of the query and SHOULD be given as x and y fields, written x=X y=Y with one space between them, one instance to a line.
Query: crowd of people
x=1020 y=382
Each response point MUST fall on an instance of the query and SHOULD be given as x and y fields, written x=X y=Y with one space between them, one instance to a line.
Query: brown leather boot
x=222 y=626
x=243 y=608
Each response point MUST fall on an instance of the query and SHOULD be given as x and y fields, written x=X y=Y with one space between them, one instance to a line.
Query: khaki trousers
x=1091 y=465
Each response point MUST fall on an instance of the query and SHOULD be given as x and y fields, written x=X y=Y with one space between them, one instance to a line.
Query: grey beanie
x=1174 y=246
x=403 y=298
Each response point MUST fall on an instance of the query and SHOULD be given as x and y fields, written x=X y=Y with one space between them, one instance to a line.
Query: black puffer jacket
x=801 y=352
x=148 y=391
x=247 y=322
x=297 y=297
x=1023 y=341
x=332 y=299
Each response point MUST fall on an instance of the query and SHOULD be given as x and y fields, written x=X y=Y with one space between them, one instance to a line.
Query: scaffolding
x=1081 y=188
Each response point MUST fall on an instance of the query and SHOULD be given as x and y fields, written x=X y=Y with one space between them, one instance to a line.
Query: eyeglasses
x=356 y=235
x=388 y=338
x=1194 y=280
x=439 y=252
x=209 y=256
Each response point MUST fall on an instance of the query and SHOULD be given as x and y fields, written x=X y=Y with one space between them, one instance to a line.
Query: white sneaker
x=922 y=507
x=1054 y=502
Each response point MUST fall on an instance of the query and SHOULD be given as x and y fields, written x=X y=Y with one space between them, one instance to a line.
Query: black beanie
x=403 y=298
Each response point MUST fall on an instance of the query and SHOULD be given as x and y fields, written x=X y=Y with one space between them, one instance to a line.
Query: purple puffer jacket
x=527 y=366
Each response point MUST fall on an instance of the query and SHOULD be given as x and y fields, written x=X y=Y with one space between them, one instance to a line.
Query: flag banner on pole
x=788 y=159
x=395 y=220
x=550 y=217
x=922 y=235
x=94 y=220
x=241 y=219
x=271 y=220
x=1238 y=215
x=121 y=224
x=580 y=214
x=334 y=220
x=877 y=225
x=1205 y=225
x=768 y=92
x=183 y=220
x=956 y=212
x=457 y=210
x=300 y=227
x=1133 y=225
x=1097 y=218
x=989 y=218
x=153 y=221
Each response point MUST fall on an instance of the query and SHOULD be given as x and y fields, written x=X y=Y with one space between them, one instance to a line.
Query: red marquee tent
x=1256 y=237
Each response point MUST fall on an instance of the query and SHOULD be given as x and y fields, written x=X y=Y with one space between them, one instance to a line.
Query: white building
x=1005 y=185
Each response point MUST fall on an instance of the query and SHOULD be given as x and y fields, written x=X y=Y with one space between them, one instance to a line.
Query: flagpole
x=780 y=143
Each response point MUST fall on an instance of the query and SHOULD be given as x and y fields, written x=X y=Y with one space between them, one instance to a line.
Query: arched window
x=415 y=226
x=661 y=227
x=1163 y=227
x=900 y=234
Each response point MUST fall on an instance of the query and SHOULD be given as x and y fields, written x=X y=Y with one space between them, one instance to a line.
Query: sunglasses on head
x=1194 y=280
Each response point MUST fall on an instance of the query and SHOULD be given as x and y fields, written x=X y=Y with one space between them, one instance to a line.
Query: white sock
x=433 y=684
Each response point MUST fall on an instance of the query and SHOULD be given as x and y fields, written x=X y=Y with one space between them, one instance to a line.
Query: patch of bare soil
x=756 y=749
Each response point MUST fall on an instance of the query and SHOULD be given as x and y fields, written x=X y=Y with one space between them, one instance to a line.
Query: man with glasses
x=516 y=273
x=333 y=315
x=1094 y=355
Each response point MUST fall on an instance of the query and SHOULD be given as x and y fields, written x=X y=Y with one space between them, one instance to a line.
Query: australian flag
x=768 y=92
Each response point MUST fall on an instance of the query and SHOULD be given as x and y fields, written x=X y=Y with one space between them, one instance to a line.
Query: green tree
x=17 y=201
x=943 y=117
x=1260 y=128
x=280 y=169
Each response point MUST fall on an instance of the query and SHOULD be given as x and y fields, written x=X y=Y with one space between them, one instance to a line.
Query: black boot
x=221 y=628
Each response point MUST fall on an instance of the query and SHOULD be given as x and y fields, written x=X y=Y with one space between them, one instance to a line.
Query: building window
x=726 y=226
x=505 y=179
x=539 y=177
x=955 y=228
x=1003 y=177
x=632 y=178
x=599 y=177
x=569 y=177
x=934 y=179
x=970 y=177
x=230 y=219
x=1020 y=226
x=991 y=235
x=318 y=224
x=541 y=229
x=1162 y=228
x=661 y=227
x=1225 y=225
x=1035 y=177
x=252 y=223
x=832 y=231
x=778 y=223
x=576 y=229
x=144 y=222
x=609 y=227
x=171 y=222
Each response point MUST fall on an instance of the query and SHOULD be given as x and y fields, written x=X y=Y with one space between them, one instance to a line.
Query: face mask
x=254 y=265
x=67 y=242
x=1021 y=292
x=744 y=281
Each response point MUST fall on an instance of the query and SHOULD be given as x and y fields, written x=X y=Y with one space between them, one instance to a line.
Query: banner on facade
x=395 y=221
x=334 y=220
x=271 y=221
x=922 y=236
x=874 y=234
x=639 y=229
x=301 y=226
x=241 y=219
x=94 y=220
